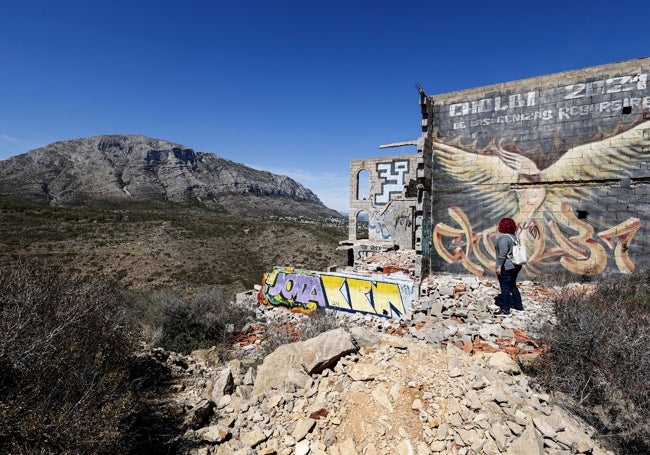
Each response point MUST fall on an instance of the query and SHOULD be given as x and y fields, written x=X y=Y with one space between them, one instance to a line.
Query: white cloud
x=11 y=145
x=331 y=188
x=8 y=139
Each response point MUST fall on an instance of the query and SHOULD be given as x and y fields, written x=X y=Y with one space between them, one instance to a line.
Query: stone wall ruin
x=566 y=155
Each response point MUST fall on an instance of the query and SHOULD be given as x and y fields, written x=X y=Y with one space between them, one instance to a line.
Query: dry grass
x=598 y=357
x=69 y=382
x=65 y=381
x=166 y=249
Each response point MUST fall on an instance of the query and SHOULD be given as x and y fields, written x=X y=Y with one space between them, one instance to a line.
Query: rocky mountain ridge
x=123 y=170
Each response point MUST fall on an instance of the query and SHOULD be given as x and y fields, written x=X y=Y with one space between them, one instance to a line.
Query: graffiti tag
x=304 y=291
x=580 y=253
x=393 y=176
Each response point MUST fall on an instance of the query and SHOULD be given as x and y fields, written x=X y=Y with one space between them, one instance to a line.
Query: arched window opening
x=362 y=225
x=363 y=185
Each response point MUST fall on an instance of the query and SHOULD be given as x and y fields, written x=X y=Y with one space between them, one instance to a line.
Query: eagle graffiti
x=542 y=202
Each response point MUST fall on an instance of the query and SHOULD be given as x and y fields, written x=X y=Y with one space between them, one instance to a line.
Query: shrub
x=312 y=324
x=65 y=385
x=598 y=356
x=317 y=322
x=183 y=322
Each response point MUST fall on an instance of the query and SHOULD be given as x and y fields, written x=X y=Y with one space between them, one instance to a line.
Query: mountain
x=120 y=171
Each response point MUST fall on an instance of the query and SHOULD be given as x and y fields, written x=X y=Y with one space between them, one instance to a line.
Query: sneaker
x=521 y=308
x=502 y=313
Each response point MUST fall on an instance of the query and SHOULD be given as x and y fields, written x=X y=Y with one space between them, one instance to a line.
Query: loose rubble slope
x=444 y=379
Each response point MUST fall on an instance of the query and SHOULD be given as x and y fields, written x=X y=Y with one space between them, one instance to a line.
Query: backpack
x=518 y=254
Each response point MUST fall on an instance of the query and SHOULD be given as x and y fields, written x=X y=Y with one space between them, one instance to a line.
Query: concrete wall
x=566 y=155
x=305 y=291
x=389 y=199
x=395 y=198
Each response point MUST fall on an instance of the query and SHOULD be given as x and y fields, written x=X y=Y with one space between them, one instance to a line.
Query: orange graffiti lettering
x=458 y=255
x=579 y=253
x=590 y=260
x=625 y=233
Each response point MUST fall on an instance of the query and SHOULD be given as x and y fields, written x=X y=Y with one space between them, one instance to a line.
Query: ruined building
x=566 y=155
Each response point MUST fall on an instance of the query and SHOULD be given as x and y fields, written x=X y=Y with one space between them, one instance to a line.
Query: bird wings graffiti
x=562 y=154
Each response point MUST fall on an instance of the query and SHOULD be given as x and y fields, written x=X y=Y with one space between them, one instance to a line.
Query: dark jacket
x=503 y=248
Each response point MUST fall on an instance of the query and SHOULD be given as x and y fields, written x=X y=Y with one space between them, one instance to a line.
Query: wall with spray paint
x=304 y=291
x=389 y=203
x=566 y=155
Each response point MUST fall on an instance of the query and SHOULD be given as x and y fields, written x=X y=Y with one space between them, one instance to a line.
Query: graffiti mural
x=542 y=209
x=567 y=156
x=393 y=178
x=378 y=224
x=304 y=291
x=390 y=221
x=363 y=252
x=580 y=253
x=390 y=206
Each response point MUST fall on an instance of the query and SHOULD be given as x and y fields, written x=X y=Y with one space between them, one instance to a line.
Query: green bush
x=185 y=321
x=598 y=357
x=65 y=383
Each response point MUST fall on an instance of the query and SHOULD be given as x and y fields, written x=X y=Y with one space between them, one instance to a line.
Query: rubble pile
x=445 y=378
x=389 y=262
x=450 y=309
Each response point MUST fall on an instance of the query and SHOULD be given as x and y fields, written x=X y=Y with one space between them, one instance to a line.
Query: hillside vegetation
x=82 y=291
x=598 y=360
x=65 y=360
x=154 y=249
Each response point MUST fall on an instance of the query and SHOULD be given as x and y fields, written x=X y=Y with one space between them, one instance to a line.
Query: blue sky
x=298 y=88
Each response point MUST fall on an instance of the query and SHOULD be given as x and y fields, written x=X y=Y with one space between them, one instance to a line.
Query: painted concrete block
x=305 y=291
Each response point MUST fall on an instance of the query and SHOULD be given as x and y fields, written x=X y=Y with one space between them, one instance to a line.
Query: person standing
x=507 y=271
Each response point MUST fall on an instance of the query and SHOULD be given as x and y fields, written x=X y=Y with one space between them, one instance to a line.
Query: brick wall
x=388 y=200
x=566 y=155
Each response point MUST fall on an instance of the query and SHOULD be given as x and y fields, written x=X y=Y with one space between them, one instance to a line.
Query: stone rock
x=500 y=433
x=209 y=357
x=303 y=427
x=293 y=363
x=365 y=372
x=580 y=441
x=302 y=448
x=348 y=447
x=249 y=377
x=399 y=393
x=223 y=384
x=224 y=401
x=363 y=337
x=528 y=360
x=213 y=433
x=323 y=351
x=253 y=438
x=503 y=362
x=544 y=428
x=280 y=368
x=529 y=443
x=198 y=415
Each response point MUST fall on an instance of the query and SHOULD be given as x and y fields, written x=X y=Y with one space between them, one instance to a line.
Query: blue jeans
x=510 y=296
